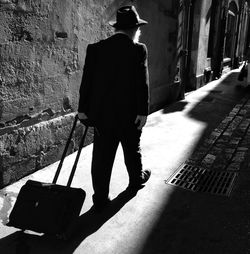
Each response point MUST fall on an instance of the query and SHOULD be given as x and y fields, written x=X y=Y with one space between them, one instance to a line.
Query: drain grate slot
x=199 y=179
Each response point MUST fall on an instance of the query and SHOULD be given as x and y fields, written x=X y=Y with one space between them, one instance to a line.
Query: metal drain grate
x=199 y=179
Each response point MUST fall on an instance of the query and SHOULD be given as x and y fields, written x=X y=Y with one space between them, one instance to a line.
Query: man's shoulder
x=99 y=45
x=141 y=47
x=95 y=44
x=140 y=44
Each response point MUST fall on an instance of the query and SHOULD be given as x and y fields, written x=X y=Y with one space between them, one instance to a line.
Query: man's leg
x=248 y=74
x=104 y=150
x=130 y=140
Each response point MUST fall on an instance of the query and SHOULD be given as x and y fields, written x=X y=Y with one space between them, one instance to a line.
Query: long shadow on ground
x=196 y=223
x=87 y=224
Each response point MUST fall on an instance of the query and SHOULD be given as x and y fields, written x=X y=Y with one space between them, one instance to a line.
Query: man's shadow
x=85 y=225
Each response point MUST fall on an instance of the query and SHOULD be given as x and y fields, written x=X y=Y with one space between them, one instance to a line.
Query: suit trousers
x=248 y=73
x=106 y=141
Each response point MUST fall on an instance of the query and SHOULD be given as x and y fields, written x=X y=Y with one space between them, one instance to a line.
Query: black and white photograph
x=125 y=126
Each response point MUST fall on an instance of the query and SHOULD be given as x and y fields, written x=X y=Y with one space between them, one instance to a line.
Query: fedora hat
x=127 y=17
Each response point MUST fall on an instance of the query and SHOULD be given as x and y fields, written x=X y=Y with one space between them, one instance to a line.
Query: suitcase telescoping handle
x=65 y=152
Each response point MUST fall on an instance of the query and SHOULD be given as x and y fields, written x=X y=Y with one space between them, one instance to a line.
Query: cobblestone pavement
x=227 y=147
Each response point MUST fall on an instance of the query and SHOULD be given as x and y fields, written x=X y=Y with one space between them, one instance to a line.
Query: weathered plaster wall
x=42 y=53
x=204 y=37
x=160 y=35
x=200 y=38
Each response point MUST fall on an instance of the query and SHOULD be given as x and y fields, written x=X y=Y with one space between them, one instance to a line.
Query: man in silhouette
x=114 y=98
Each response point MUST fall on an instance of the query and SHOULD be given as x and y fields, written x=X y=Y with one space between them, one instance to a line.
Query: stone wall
x=160 y=35
x=25 y=148
x=42 y=52
x=200 y=37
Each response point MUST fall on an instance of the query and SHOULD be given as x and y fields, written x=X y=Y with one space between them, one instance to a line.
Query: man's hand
x=82 y=116
x=84 y=119
x=140 y=121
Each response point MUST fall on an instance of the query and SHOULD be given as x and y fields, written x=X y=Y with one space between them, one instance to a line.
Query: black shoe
x=99 y=206
x=139 y=184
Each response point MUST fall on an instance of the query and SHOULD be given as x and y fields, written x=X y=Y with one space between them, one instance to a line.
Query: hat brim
x=140 y=22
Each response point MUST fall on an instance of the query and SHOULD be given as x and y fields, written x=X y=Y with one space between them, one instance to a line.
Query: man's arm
x=85 y=88
x=142 y=83
x=140 y=121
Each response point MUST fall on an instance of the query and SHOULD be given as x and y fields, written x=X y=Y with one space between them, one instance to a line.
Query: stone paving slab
x=227 y=147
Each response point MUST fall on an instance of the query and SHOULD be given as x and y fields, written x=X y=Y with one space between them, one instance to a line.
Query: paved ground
x=209 y=129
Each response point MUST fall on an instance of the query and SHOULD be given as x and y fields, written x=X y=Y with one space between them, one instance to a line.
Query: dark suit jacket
x=115 y=83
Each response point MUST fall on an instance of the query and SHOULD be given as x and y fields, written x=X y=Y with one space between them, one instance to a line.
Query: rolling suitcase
x=49 y=207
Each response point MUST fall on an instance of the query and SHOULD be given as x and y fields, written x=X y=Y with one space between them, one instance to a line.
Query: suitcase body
x=46 y=208
x=49 y=207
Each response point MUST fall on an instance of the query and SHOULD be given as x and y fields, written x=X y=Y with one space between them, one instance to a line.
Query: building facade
x=213 y=38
